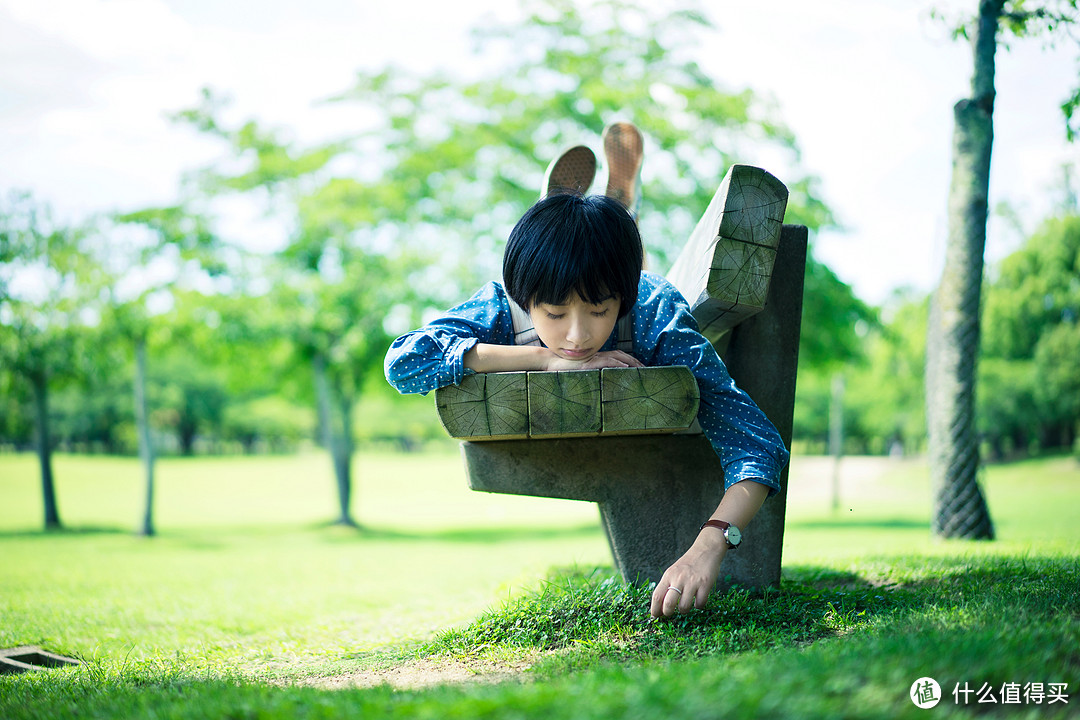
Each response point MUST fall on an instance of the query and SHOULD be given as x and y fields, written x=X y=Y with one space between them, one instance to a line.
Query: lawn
x=446 y=604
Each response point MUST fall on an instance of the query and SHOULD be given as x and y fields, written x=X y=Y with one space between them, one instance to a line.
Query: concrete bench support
x=655 y=491
x=651 y=490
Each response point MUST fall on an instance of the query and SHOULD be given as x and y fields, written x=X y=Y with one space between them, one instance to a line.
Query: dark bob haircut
x=567 y=243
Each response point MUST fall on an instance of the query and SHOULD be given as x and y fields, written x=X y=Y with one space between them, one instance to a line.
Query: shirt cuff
x=455 y=361
x=769 y=478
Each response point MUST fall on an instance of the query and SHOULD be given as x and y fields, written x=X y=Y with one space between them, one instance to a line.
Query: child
x=574 y=297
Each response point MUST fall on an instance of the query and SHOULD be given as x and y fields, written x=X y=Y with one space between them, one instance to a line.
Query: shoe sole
x=725 y=269
x=624 y=149
x=571 y=173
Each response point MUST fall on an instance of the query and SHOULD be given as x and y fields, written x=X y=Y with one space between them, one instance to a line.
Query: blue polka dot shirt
x=664 y=333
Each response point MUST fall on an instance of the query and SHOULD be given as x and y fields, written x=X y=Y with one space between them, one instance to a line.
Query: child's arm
x=696 y=571
x=484 y=357
x=433 y=356
x=747 y=443
x=750 y=449
x=477 y=336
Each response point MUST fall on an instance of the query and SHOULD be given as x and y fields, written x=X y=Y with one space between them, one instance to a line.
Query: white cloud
x=112 y=30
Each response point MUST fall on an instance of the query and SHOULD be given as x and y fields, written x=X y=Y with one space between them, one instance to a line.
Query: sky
x=867 y=86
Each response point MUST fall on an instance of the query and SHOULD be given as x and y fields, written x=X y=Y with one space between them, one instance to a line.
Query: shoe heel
x=624 y=149
x=571 y=173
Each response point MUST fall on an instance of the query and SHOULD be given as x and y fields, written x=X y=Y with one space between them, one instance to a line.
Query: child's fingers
x=627 y=359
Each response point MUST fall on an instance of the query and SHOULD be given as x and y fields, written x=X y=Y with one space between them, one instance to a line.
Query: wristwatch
x=731 y=533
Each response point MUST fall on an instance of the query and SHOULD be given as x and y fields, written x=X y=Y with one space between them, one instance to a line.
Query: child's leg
x=572 y=172
x=624 y=148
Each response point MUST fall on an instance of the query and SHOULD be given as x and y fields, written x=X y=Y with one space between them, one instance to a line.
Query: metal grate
x=30 y=657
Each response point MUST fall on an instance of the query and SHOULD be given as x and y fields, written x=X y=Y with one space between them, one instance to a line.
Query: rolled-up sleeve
x=747 y=443
x=433 y=356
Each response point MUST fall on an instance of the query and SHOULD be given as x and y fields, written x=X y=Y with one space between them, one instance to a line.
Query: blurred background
x=215 y=217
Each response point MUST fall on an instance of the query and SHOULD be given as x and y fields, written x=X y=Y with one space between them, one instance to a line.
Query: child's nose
x=578 y=331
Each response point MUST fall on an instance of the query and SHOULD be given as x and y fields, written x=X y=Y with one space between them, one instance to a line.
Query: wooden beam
x=564 y=404
x=648 y=400
x=614 y=401
x=485 y=406
x=725 y=268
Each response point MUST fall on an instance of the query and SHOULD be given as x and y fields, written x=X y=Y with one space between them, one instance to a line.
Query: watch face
x=734 y=535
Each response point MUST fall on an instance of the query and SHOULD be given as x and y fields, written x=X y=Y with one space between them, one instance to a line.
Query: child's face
x=576 y=329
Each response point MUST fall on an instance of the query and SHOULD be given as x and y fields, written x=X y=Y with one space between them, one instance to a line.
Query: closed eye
x=601 y=313
x=552 y=316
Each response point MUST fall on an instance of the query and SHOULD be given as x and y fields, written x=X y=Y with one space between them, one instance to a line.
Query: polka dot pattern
x=665 y=333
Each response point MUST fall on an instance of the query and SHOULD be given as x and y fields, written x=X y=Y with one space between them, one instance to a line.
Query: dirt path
x=425 y=672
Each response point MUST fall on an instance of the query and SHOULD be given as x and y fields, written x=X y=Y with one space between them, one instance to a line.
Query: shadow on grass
x=66 y=532
x=461 y=535
x=847 y=523
x=331 y=532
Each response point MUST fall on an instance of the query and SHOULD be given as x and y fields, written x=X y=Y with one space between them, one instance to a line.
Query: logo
x=925 y=693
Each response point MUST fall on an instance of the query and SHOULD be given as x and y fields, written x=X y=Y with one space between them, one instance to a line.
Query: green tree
x=1057 y=365
x=953 y=342
x=331 y=285
x=179 y=240
x=1032 y=307
x=41 y=315
x=1035 y=288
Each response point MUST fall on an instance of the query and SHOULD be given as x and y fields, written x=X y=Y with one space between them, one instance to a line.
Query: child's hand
x=686 y=584
x=608 y=359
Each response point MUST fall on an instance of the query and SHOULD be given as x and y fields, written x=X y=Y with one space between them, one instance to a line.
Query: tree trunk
x=953 y=345
x=186 y=431
x=142 y=423
x=336 y=437
x=40 y=383
x=343 y=460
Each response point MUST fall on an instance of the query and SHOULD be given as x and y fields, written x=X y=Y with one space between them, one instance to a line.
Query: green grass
x=249 y=605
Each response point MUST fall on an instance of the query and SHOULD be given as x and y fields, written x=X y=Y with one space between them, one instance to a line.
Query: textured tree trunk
x=142 y=424
x=336 y=437
x=953 y=345
x=44 y=450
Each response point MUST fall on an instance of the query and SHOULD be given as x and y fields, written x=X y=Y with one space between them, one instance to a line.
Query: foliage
x=1008 y=419
x=1026 y=393
x=840 y=321
x=1029 y=396
x=46 y=287
x=1035 y=288
x=267 y=423
x=406 y=216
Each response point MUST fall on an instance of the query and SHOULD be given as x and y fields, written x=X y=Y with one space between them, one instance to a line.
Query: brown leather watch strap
x=722 y=526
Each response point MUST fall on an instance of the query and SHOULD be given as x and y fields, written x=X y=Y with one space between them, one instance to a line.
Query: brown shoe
x=624 y=149
x=572 y=172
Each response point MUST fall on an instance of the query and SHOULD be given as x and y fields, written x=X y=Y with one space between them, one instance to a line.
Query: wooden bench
x=577 y=403
x=598 y=436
